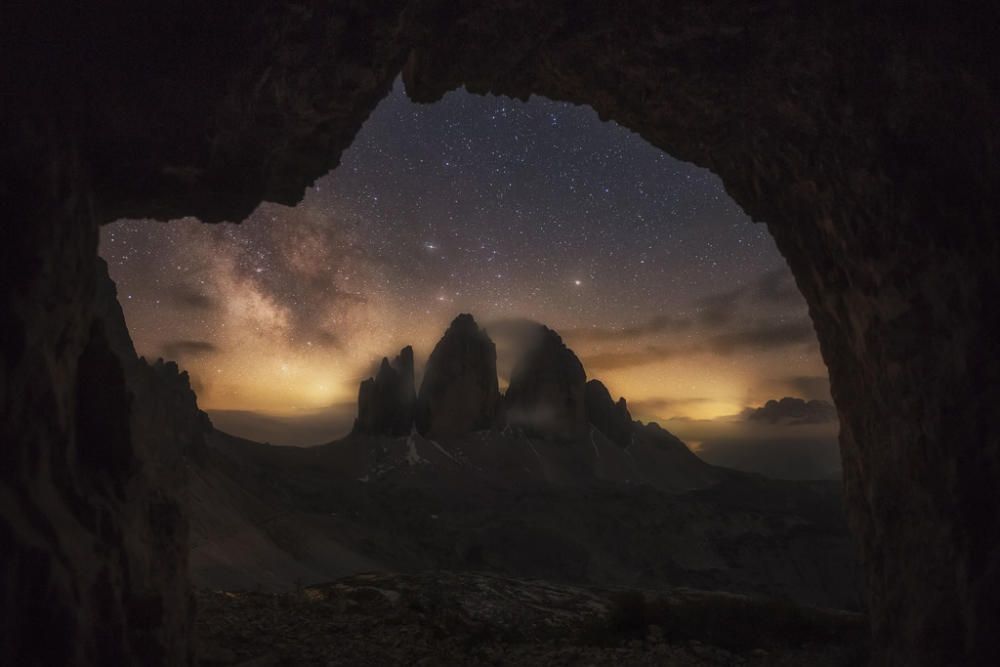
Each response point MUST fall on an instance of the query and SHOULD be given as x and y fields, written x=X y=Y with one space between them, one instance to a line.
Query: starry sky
x=507 y=210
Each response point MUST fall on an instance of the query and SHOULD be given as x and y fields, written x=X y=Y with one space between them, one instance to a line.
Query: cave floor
x=447 y=618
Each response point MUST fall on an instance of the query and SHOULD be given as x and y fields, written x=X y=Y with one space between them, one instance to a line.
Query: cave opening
x=521 y=213
x=495 y=207
x=863 y=136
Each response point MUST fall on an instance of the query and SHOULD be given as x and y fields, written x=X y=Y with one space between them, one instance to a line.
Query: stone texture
x=459 y=392
x=386 y=401
x=546 y=392
x=167 y=430
x=443 y=618
x=865 y=136
x=610 y=418
x=93 y=551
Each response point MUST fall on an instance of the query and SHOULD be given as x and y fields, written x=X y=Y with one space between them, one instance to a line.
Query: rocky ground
x=275 y=518
x=447 y=619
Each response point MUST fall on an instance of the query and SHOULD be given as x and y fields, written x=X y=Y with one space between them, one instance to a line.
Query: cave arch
x=864 y=138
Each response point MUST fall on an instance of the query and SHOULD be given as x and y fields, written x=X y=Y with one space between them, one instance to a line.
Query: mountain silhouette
x=552 y=480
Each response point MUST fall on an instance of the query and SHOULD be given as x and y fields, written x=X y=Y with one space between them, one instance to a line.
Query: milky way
x=504 y=209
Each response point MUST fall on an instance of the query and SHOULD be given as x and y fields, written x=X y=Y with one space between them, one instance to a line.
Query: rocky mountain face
x=548 y=397
x=164 y=430
x=588 y=496
x=504 y=502
x=610 y=418
x=546 y=392
x=165 y=419
x=459 y=392
x=386 y=402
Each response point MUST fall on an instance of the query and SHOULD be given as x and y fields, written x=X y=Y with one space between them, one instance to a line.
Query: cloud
x=767 y=336
x=178 y=349
x=605 y=361
x=519 y=331
x=655 y=325
x=513 y=337
x=793 y=411
x=654 y=406
x=719 y=309
x=772 y=288
x=715 y=315
x=327 y=338
x=778 y=287
x=809 y=387
x=189 y=297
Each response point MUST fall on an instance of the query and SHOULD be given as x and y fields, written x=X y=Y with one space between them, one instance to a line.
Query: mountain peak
x=546 y=393
x=464 y=321
x=459 y=392
x=386 y=401
x=610 y=418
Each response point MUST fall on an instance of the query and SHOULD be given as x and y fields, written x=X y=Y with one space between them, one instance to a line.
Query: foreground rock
x=459 y=393
x=448 y=618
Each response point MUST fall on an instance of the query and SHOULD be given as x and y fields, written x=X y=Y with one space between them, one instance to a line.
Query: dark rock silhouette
x=459 y=392
x=662 y=438
x=146 y=451
x=546 y=392
x=610 y=418
x=386 y=401
x=166 y=419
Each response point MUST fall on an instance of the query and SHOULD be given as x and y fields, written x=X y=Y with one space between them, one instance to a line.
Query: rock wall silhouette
x=92 y=539
x=865 y=136
x=610 y=418
x=166 y=429
x=546 y=392
x=386 y=402
x=459 y=392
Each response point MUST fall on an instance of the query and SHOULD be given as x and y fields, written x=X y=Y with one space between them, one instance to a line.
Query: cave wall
x=91 y=567
x=865 y=138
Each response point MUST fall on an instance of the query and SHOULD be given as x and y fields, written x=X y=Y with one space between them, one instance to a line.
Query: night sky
x=659 y=282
